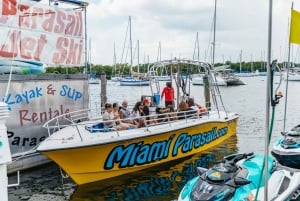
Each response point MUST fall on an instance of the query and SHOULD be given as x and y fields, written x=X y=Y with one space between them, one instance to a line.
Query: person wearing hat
x=168 y=94
x=146 y=110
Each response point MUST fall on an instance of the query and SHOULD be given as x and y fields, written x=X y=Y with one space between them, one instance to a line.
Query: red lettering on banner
x=29 y=47
x=68 y=51
x=29 y=20
x=9 y=7
x=59 y=28
x=49 y=21
x=10 y=50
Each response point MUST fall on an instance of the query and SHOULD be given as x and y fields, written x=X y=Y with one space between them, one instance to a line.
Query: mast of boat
x=115 y=60
x=130 y=45
x=159 y=52
x=214 y=35
x=196 y=48
x=138 y=55
x=241 y=61
x=90 y=57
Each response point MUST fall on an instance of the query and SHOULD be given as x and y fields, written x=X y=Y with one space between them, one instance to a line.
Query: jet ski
x=237 y=177
x=286 y=149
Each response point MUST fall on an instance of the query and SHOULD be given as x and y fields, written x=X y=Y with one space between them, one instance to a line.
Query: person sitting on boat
x=161 y=114
x=124 y=112
x=182 y=107
x=192 y=106
x=149 y=119
x=137 y=113
x=168 y=94
x=108 y=118
x=117 y=113
x=195 y=106
x=172 y=113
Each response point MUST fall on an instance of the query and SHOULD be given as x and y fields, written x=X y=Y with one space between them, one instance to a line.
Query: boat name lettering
x=138 y=154
x=40 y=117
x=70 y=93
x=186 y=143
x=23 y=97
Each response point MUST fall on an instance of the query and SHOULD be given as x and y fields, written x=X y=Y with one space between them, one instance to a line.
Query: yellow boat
x=88 y=156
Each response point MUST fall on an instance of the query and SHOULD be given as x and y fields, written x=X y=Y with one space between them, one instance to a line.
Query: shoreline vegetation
x=123 y=69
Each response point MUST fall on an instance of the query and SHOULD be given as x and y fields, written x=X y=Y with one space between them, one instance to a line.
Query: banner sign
x=39 y=32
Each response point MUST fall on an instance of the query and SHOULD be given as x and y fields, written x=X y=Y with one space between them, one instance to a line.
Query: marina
x=250 y=137
x=64 y=137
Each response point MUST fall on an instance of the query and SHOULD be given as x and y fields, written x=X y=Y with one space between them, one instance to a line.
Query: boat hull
x=134 y=82
x=289 y=159
x=99 y=161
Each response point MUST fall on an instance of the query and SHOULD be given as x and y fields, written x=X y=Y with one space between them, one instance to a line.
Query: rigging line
x=124 y=43
x=209 y=43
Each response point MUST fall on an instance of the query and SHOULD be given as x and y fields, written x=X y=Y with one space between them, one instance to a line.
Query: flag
x=295 y=27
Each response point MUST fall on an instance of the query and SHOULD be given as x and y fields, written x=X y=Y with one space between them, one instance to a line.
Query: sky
x=241 y=30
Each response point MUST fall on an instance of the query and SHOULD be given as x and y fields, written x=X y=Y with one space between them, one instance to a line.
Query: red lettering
x=23 y=116
x=26 y=47
x=9 y=7
x=41 y=117
x=24 y=18
x=34 y=117
x=40 y=47
x=61 y=54
x=79 y=24
x=49 y=22
x=72 y=52
x=59 y=28
x=71 y=25
x=68 y=51
x=29 y=48
x=10 y=50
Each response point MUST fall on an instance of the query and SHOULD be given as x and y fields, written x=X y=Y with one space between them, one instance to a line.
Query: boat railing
x=80 y=119
x=147 y=121
x=70 y=118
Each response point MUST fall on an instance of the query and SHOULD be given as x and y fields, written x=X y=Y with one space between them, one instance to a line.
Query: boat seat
x=98 y=127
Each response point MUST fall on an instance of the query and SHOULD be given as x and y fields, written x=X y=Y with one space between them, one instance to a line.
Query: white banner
x=37 y=32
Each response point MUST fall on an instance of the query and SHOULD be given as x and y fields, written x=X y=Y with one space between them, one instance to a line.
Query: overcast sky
x=241 y=29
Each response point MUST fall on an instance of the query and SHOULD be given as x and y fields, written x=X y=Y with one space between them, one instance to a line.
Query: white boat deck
x=79 y=135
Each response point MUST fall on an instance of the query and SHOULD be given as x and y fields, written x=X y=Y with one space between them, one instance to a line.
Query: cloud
x=241 y=26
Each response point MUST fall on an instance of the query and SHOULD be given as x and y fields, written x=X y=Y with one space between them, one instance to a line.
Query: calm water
x=165 y=182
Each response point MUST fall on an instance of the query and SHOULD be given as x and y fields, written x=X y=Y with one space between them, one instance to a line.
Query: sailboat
x=135 y=78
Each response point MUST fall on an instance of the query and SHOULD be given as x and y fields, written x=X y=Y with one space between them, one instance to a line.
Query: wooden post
x=206 y=92
x=103 y=89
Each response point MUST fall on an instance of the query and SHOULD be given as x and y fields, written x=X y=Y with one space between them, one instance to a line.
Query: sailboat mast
x=130 y=43
x=196 y=48
x=138 y=55
x=115 y=59
x=214 y=34
x=85 y=40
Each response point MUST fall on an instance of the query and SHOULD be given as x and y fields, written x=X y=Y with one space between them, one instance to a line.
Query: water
x=165 y=182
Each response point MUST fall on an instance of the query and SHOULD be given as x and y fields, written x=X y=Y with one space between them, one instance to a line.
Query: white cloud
x=241 y=25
